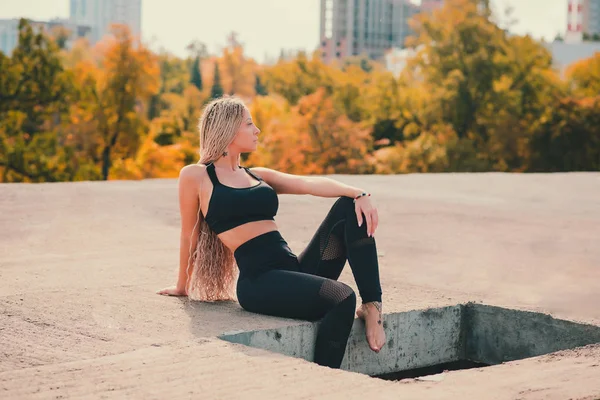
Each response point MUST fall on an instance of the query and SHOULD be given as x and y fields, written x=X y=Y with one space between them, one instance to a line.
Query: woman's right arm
x=189 y=186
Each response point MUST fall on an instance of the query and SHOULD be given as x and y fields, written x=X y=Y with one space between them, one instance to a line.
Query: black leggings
x=274 y=281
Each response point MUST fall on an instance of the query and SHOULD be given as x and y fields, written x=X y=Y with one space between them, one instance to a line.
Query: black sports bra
x=231 y=207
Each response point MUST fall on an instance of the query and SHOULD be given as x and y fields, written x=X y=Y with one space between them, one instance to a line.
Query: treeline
x=473 y=98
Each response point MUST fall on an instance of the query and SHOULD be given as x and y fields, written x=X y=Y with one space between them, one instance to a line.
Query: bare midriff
x=239 y=235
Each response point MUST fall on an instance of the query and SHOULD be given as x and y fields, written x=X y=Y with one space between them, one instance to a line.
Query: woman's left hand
x=364 y=205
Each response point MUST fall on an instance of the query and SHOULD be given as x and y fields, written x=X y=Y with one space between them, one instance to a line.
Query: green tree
x=567 y=138
x=486 y=85
x=595 y=37
x=259 y=88
x=216 y=90
x=196 y=75
x=35 y=92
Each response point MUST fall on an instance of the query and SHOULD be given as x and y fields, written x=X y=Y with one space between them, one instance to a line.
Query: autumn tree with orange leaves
x=472 y=98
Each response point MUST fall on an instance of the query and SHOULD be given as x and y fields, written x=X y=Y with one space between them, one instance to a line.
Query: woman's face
x=246 y=138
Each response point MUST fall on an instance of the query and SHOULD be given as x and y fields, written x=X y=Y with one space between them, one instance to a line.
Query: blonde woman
x=227 y=218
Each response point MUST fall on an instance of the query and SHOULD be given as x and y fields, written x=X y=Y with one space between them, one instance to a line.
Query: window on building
x=337 y=54
x=328 y=18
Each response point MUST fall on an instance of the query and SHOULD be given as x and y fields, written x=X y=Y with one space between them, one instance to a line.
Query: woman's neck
x=230 y=162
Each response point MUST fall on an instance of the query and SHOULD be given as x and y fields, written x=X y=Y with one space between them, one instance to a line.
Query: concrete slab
x=79 y=264
x=494 y=335
x=415 y=339
x=423 y=338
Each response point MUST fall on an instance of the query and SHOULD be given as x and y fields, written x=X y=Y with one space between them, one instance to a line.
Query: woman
x=227 y=218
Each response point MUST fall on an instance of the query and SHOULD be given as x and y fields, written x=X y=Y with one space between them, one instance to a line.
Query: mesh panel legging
x=274 y=281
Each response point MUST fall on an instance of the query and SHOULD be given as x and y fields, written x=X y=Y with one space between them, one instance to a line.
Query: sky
x=264 y=26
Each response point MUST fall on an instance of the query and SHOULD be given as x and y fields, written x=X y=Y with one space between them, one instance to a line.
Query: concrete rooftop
x=80 y=262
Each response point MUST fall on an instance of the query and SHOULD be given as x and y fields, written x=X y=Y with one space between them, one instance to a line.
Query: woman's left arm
x=322 y=187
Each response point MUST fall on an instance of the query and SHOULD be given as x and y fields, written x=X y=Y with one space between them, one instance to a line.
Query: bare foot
x=373 y=318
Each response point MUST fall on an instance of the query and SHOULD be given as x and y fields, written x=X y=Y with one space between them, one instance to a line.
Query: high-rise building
x=591 y=17
x=99 y=15
x=430 y=5
x=9 y=35
x=364 y=27
x=583 y=17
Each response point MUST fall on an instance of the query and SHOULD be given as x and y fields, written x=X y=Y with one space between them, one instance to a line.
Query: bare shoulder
x=268 y=173
x=192 y=172
x=263 y=172
x=282 y=182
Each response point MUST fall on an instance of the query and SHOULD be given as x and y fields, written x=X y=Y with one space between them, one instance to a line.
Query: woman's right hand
x=172 y=291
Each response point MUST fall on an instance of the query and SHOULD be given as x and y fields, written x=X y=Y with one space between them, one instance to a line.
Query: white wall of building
x=9 y=35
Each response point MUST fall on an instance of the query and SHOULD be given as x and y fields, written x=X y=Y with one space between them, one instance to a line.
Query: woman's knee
x=344 y=203
x=350 y=301
x=347 y=307
x=335 y=292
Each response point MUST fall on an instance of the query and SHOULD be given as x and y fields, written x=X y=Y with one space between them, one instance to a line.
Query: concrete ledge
x=495 y=335
x=415 y=339
x=424 y=338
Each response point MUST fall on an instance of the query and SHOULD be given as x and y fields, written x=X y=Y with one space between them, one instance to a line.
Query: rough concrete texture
x=80 y=262
x=494 y=335
x=415 y=339
x=294 y=340
x=422 y=338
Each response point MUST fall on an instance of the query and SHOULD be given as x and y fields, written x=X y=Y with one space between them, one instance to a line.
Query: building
x=9 y=35
x=99 y=15
x=592 y=20
x=583 y=17
x=363 y=27
x=9 y=31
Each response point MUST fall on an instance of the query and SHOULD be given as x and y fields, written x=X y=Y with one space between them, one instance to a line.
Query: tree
x=593 y=37
x=196 y=76
x=61 y=36
x=216 y=90
x=237 y=71
x=584 y=76
x=486 y=85
x=197 y=49
x=35 y=92
x=198 y=52
x=33 y=79
x=568 y=137
x=116 y=91
x=174 y=74
x=297 y=78
x=315 y=138
x=259 y=88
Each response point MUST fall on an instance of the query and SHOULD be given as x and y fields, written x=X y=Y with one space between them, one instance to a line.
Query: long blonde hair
x=214 y=271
